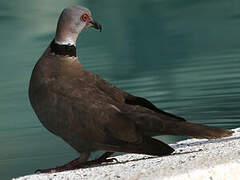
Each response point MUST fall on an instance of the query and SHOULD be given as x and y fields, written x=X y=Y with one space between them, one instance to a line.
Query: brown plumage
x=91 y=114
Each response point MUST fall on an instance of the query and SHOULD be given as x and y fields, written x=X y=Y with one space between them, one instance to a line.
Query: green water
x=184 y=56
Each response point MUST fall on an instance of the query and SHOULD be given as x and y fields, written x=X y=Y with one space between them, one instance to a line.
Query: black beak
x=96 y=25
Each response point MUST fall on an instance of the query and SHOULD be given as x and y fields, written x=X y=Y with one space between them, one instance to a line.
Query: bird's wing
x=142 y=103
x=95 y=118
x=88 y=106
x=134 y=100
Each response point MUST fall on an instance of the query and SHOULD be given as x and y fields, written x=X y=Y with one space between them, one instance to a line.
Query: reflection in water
x=183 y=56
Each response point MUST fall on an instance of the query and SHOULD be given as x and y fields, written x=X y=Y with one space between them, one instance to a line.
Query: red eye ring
x=85 y=17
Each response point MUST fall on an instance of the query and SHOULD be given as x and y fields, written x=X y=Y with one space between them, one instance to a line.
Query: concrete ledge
x=193 y=160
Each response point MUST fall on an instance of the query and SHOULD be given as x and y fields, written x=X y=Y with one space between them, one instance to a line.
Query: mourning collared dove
x=91 y=114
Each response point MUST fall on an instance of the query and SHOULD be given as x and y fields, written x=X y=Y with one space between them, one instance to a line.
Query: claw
x=53 y=170
x=38 y=171
x=116 y=160
x=112 y=160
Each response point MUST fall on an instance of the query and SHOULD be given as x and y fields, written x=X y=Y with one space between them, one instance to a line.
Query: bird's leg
x=101 y=159
x=69 y=166
x=79 y=163
x=74 y=164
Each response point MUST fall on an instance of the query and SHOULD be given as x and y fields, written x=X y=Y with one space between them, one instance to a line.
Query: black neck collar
x=64 y=50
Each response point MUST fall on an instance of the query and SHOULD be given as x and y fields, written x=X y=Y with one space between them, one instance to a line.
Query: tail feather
x=153 y=125
x=149 y=146
x=200 y=131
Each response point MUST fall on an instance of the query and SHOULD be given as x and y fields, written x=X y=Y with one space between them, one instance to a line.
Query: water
x=184 y=56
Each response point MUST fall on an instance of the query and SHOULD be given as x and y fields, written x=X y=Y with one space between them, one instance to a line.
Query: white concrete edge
x=193 y=160
x=228 y=171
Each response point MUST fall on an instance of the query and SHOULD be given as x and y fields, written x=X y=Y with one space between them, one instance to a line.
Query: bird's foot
x=102 y=159
x=78 y=163
x=69 y=166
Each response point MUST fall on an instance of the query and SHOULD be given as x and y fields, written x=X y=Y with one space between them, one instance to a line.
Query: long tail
x=148 y=146
x=198 y=131
x=163 y=124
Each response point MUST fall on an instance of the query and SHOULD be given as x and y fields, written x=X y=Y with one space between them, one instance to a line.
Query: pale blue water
x=182 y=55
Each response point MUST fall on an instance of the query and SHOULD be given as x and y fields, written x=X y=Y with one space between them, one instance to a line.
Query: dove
x=89 y=113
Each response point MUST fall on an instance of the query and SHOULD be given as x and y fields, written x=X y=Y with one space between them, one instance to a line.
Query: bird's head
x=71 y=22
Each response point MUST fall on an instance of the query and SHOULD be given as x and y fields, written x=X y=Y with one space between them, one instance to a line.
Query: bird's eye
x=85 y=17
